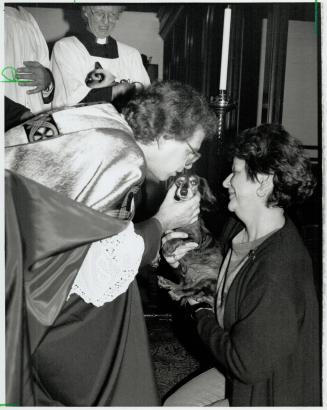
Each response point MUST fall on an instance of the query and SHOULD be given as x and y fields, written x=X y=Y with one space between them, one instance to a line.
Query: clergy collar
x=107 y=50
x=101 y=41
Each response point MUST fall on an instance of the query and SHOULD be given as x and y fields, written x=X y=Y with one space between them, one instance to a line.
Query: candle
x=225 y=49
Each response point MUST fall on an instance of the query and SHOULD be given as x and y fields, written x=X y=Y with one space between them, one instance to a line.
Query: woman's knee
x=203 y=390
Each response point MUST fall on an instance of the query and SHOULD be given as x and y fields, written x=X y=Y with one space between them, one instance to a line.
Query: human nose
x=105 y=18
x=226 y=183
x=189 y=162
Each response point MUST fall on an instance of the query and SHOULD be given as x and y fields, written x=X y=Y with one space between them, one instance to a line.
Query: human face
x=243 y=198
x=102 y=19
x=170 y=156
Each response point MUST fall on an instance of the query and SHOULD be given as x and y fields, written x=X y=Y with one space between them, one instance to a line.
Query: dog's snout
x=184 y=190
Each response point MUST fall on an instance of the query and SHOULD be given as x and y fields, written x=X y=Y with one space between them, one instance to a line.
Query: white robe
x=24 y=41
x=71 y=62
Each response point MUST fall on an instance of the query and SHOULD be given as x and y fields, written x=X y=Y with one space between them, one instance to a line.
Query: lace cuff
x=109 y=267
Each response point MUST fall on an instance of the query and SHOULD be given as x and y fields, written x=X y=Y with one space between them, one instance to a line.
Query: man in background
x=93 y=50
x=27 y=52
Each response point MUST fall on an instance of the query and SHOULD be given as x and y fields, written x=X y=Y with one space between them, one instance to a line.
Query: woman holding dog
x=264 y=333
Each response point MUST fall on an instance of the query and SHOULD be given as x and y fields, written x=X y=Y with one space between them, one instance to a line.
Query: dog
x=197 y=277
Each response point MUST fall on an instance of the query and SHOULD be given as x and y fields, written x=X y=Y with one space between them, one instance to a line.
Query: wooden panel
x=168 y=15
x=193 y=55
x=168 y=56
x=212 y=43
x=179 y=48
x=275 y=63
x=250 y=65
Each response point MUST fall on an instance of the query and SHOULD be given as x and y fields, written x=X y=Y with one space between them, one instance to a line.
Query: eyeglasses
x=193 y=156
x=100 y=15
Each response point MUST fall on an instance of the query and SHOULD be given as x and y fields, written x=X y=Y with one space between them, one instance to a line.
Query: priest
x=75 y=332
x=73 y=58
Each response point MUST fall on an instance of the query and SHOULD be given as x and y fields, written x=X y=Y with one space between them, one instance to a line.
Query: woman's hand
x=180 y=251
x=192 y=306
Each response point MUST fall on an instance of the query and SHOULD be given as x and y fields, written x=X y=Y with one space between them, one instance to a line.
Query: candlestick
x=221 y=105
x=225 y=49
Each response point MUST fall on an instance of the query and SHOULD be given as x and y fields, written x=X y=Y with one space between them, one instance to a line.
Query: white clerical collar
x=101 y=40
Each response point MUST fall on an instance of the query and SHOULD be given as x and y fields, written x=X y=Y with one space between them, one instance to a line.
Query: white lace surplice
x=109 y=267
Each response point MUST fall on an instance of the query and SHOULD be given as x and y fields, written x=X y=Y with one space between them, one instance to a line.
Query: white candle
x=225 y=49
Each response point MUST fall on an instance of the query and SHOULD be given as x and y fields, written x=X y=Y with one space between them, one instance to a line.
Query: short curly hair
x=170 y=109
x=269 y=149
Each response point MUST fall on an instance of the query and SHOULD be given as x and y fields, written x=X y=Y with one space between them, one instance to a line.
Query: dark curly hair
x=170 y=109
x=269 y=149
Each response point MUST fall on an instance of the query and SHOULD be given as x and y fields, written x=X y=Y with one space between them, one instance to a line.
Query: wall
x=300 y=110
x=137 y=29
x=141 y=30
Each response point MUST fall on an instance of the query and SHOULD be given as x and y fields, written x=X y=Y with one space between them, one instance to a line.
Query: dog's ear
x=170 y=182
x=207 y=197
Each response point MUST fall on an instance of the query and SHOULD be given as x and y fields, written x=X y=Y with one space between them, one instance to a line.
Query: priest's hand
x=174 y=214
x=38 y=76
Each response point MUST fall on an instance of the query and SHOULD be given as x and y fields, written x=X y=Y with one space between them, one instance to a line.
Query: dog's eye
x=180 y=181
x=194 y=181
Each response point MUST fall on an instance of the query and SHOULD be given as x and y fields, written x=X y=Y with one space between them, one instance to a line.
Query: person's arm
x=98 y=94
x=172 y=214
x=48 y=92
x=15 y=113
x=107 y=92
x=37 y=69
x=106 y=89
x=39 y=77
x=69 y=66
x=139 y=72
x=151 y=232
x=265 y=332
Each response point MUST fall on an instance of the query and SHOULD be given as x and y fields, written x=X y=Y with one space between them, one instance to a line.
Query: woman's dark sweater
x=269 y=348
